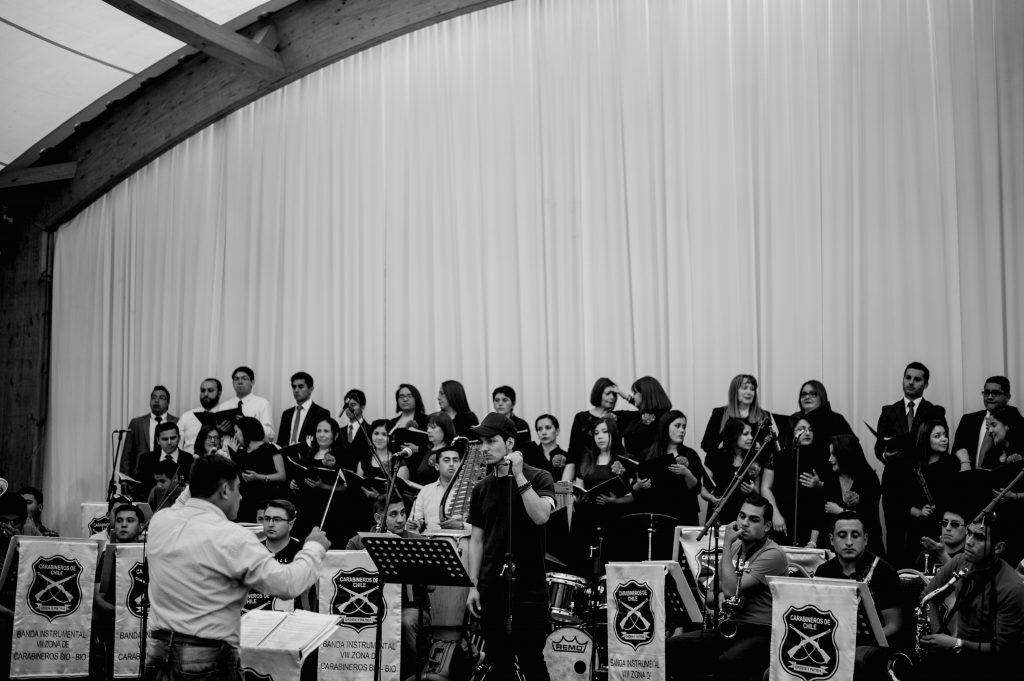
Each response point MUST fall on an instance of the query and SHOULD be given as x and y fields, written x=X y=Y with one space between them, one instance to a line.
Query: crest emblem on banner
x=99 y=523
x=357 y=598
x=809 y=646
x=250 y=674
x=55 y=590
x=707 y=565
x=137 y=591
x=634 y=613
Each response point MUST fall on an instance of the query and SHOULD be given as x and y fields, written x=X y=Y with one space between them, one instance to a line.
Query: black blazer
x=137 y=441
x=712 y=439
x=893 y=421
x=147 y=466
x=308 y=429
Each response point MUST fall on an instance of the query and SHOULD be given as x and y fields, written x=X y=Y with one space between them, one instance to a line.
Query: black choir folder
x=616 y=486
x=296 y=633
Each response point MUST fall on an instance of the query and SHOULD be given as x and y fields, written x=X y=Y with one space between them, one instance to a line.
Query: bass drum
x=568 y=653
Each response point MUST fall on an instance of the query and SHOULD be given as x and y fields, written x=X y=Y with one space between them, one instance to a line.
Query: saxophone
x=901 y=663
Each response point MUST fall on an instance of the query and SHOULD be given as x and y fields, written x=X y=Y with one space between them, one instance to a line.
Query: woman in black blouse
x=724 y=464
x=674 y=471
x=546 y=454
x=603 y=397
x=853 y=486
x=794 y=481
x=814 y=406
x=743 y=405
x=409 y=409
x=504 y=400
x=423 y=465
x=451 y=399
x=640 y=428
x=263 y=474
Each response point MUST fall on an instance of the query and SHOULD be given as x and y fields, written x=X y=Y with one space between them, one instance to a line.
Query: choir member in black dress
x=423 y=464
x=815 y=407
x=370 y=463
x=504 y=400
x=927 y=480
x=742 y=405
x=794 y=481
x=1006 y=459
x=545 y=452
x=602 y=460
x=724 y=463
x=451 y=399
x=674 y=471
x=640 y=428
x=853 y=486
x=311 y=492
x=409 y=409
x=263 y=474
x=603 y=397
x=208 y=441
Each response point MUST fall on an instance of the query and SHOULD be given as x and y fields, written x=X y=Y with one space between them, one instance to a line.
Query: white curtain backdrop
x=547 y=192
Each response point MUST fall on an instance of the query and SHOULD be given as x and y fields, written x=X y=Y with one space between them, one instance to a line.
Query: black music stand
x=413 y=561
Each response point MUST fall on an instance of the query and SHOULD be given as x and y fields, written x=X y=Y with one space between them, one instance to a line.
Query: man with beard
x=189 y=423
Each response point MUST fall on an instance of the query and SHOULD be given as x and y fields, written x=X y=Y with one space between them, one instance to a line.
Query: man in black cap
x=530 y=494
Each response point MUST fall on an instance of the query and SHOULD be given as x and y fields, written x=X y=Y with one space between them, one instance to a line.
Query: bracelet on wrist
x=525 y=486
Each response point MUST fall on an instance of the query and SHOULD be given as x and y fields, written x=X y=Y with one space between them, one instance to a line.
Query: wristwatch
x=958 y=647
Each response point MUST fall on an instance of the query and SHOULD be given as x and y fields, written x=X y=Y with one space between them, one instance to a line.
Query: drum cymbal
x=548 y=558
x=647 y=519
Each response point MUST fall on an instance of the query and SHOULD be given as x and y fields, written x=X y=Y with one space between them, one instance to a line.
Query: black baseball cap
x=495 y=424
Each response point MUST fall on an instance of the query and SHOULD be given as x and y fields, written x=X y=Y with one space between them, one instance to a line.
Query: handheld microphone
x=403 y=453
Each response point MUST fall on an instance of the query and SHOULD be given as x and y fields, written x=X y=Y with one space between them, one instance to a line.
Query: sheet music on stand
x=680 y=605
x=415 y=560
x=866 y=605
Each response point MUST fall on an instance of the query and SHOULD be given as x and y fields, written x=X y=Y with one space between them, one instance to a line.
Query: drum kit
x=577 y=647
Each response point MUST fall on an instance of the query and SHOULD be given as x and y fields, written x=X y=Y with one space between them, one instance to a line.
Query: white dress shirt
x=202 y=565
x=256 y=407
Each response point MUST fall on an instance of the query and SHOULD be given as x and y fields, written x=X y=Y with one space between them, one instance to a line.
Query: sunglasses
x=955 y=524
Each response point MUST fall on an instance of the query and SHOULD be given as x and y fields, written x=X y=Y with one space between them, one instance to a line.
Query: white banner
x=257 y=600
x=53 y=608
x=636 y=621
x=94 y=517
x=814 y=629
x=270 y=665
x=701 y=558
x=129 y=591
x=348 y=588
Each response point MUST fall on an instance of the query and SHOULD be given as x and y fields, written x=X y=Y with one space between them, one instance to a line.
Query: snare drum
x=567 y=597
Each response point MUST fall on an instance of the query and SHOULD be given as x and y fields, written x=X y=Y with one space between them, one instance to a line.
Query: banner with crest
x=700 y=556
x=348 y=588
x=129 y=593
x=94 y=517
x=814 y=629
x=636 y=621
x=53 y=607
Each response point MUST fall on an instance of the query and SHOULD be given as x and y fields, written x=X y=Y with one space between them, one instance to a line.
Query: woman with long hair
x=312 y=490
x=603 y=396
x=423 y=465
x=813 y=405
x=725 y=463
x=854 y=486
x=674 y=471
x=743 y=405
x=208 y=441
x=793 y=481
x=262 y=469
x=640 y=428
x=1006 y=427
x=370 y=464
x=602 y=460
x=451 y=399
x=545 y=452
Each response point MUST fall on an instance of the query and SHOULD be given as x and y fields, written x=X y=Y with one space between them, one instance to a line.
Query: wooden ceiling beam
x=204 y=35
x=38 y=174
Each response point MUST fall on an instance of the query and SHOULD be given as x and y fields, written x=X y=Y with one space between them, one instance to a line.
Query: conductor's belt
x=174 y=637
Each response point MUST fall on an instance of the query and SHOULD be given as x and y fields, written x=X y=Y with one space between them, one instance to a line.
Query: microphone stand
x=112 y=484
x=796 y=490
x=748 y=460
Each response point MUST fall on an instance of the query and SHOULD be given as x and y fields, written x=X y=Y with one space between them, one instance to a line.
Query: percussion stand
x=595 y=606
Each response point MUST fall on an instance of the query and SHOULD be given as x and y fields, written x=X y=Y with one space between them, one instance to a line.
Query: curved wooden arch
x=201 y=90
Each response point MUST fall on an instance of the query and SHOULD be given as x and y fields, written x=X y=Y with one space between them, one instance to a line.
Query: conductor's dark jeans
x=167 y=661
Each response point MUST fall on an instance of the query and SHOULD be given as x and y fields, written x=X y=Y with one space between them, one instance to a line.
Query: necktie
x=986 y=444
x=910 y=418
x=352 y=427
x=159 y=419
x=167 y=457
x=295 y=425
x=239 y=405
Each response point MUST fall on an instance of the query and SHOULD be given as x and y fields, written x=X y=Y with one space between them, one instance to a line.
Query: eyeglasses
x=809 y=393
x=992 y=393
x=275 y=519
x=955 y=524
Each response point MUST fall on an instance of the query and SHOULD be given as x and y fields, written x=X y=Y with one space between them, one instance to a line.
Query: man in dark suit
x=299 y=422
x=972 y=440
x=897 y=425
x=166 y=452
x=355 y=431
x=141 y=429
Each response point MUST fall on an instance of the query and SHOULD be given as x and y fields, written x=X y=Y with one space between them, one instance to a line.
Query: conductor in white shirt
x=201 y=566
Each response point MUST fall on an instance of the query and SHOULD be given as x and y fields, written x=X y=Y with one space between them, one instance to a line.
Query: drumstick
x=330 y=498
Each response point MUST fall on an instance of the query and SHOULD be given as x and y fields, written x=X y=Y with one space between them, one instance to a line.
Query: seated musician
x=952 y=538
x=749 y=556
x=415 y=599
x=982 y=630
x=854 y=562
x=426 y=511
